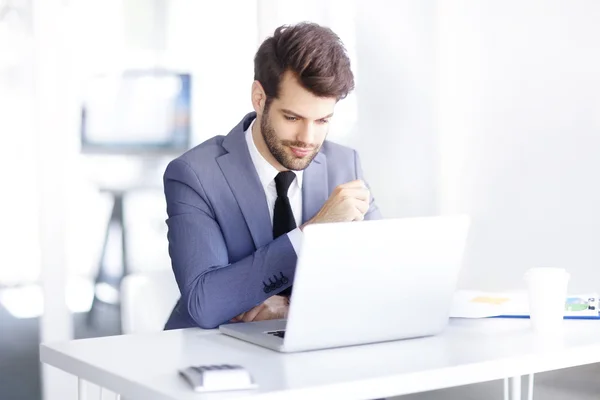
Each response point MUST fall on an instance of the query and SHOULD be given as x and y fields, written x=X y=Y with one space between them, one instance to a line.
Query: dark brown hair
x=315 y=55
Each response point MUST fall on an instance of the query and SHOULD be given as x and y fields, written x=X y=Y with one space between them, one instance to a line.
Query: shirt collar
x=266 y=172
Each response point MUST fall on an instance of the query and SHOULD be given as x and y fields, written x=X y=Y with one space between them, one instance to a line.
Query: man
x=237 y=204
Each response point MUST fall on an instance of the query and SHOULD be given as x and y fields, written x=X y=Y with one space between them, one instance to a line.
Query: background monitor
x=137 y=112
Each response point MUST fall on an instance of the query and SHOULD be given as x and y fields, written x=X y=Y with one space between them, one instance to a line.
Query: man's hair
x=314 y=54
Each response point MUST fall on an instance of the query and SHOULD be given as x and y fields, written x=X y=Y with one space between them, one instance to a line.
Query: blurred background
x=486 y=107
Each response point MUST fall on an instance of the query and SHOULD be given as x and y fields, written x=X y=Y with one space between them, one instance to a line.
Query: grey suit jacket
x=220 y=232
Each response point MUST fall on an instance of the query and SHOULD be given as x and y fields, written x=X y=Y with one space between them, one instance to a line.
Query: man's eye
x=323 y=121
x=291 y=118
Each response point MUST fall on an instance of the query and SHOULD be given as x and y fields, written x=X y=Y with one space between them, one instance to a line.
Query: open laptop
x=367 y=282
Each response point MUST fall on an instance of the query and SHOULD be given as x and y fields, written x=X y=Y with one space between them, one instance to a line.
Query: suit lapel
x=241 y=175
x=315 y=190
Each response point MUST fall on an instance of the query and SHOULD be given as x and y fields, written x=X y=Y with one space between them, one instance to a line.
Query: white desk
x=144 y=367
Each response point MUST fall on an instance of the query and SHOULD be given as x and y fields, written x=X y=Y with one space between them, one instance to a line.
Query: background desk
x=144 y=367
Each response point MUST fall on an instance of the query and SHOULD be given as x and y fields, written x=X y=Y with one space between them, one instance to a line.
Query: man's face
x=295 y=124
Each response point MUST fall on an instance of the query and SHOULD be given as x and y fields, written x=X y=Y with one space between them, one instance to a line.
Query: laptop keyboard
x=280 y=334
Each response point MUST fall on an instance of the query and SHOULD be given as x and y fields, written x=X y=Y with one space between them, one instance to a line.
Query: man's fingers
x=272 y=313
x=361 y=206
x=251 y=314
x=357 y=184
x=358 y=216
x=357 y=193
x=274 y=307
x=263 y=315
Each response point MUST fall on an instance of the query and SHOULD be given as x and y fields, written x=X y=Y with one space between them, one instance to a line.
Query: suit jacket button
x=278 y=283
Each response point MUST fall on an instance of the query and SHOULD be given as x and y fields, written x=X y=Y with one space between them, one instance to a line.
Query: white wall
x=396 y=134
x=19 y=256
x=53 y=149
x=519 y=101
x=489 y=108
x=216 y=41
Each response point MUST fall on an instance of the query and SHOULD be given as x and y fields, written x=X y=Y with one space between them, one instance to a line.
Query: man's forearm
x=223 y=292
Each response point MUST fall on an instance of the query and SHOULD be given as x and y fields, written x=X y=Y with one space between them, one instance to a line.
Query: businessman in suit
x=237 y=204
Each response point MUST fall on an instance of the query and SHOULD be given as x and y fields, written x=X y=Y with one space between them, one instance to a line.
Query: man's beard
x=277 y=147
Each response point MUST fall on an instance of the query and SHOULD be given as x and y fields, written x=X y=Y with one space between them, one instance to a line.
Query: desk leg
x=506 y=392
x=515 y=388
x=530 y=388
x=81 y=389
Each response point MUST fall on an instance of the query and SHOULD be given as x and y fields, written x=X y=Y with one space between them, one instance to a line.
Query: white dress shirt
x=266 y=175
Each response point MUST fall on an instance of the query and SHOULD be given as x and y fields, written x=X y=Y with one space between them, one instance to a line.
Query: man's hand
x=348 y=202
x=275 y=307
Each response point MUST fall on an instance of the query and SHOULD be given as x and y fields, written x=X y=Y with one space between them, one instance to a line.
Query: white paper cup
x=547 y=288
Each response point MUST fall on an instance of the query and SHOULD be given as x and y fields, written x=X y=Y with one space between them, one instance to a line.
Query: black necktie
x=283 y=217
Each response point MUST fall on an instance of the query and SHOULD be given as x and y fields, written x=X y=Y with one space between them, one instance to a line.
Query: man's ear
x=259 y=97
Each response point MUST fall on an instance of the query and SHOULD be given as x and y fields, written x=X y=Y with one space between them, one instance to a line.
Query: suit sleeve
x=213 y=289
x=373 y=212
